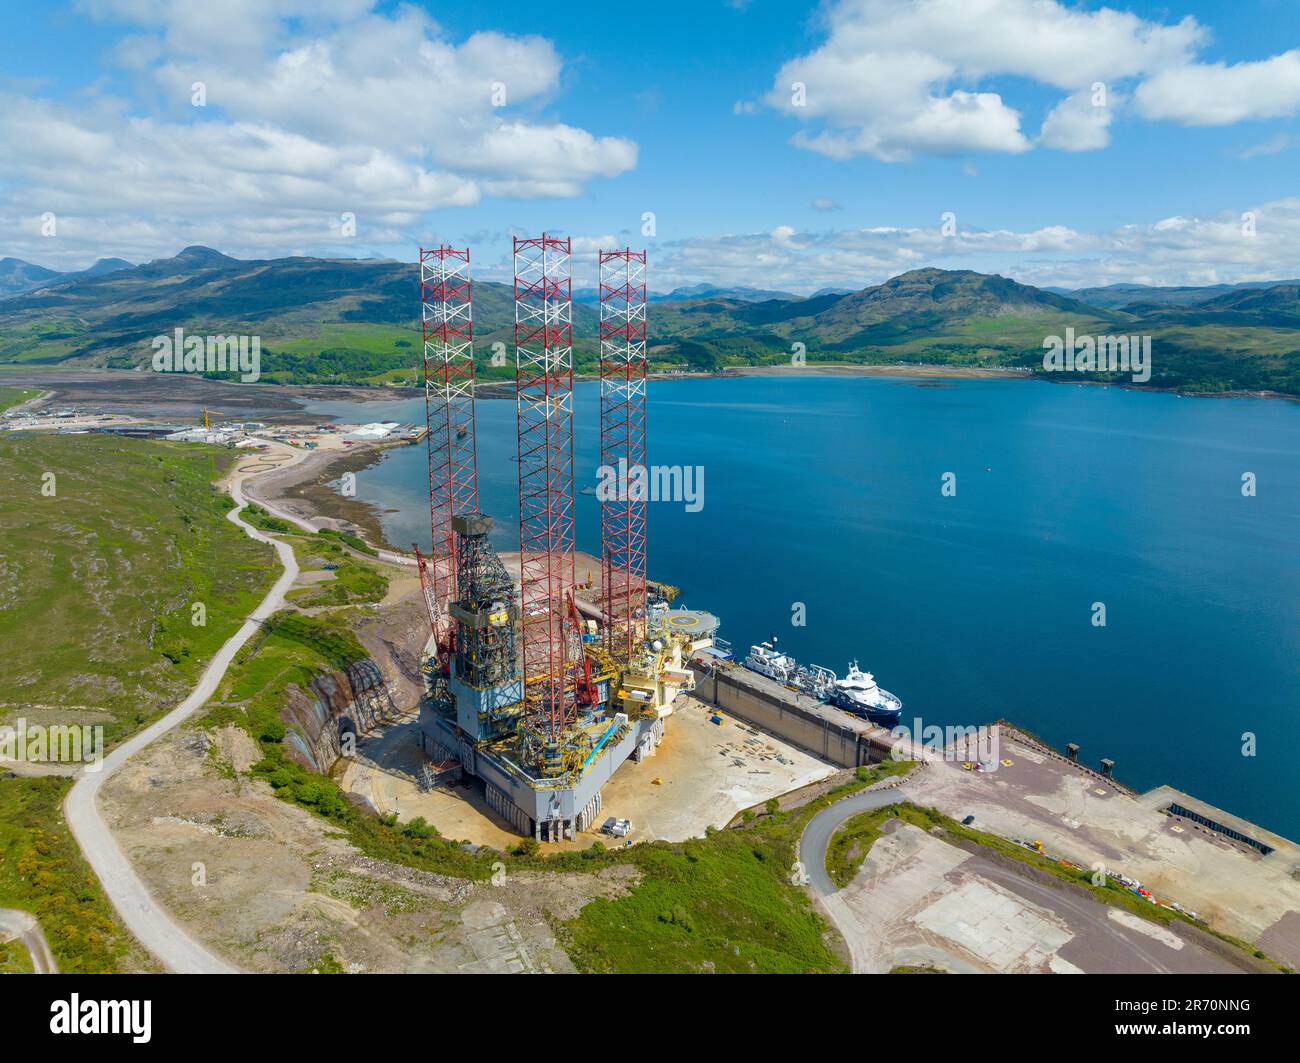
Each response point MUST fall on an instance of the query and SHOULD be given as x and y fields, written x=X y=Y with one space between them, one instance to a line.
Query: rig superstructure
x=534 y=691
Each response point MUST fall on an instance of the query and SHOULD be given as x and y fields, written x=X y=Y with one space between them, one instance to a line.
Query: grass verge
x=15 y=959
x=43 y=872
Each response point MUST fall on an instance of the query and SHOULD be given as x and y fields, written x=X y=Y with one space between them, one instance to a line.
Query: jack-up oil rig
x=536 y=692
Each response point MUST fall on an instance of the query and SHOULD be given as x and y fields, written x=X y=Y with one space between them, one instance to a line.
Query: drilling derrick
x=623 y=449
x=484 y=681
x=449 y=415
x=548 y=741
x=527 y=696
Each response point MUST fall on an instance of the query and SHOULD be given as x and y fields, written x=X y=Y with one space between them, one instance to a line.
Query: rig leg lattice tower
x=449 y=413
x=623 y=449
x=544 y=383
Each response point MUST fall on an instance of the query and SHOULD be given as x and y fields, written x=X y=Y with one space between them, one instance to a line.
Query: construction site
x=538 y=693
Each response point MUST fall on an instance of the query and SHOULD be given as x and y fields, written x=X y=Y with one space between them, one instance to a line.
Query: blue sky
x=318 y=111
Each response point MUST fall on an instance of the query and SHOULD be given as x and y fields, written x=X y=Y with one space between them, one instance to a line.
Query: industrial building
x=528 y=690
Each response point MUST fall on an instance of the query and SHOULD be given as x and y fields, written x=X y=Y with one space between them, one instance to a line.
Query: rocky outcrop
x=333 y=705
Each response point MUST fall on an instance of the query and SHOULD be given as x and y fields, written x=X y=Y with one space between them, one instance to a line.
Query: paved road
x=812 y=854
x=151 y=925
x=817 y=835
x=24 y=927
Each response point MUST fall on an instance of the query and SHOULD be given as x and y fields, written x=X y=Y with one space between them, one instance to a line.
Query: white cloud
x=961 y=122
x=1172 y=251
x=1272 y=146
x=1078 y=123
x=1220 y=94
x=825 y=203
x=312 y=110
x=898 y=78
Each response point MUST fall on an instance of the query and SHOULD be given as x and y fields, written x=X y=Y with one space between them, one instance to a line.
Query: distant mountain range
x=1120 y=296
x=17 y=276
x=350 y=321
x=694 y=291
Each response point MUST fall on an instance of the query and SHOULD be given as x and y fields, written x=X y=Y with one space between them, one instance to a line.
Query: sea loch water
x=827 y=493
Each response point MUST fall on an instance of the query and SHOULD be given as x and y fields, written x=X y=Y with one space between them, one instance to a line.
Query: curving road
x=817 y=835
x=148 y=921
x=812 y=854
x=22 y=926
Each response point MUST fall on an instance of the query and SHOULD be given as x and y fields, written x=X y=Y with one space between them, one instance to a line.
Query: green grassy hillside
x=106 y=544
x=98 y=580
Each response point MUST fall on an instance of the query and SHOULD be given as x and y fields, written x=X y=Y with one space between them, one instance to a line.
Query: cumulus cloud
x=309 y=110
x=1176 y=250
x=898 y=78
x=1080 y=122
x=1221 y=94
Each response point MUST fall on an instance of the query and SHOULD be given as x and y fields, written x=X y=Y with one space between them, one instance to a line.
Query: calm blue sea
x=826 y=492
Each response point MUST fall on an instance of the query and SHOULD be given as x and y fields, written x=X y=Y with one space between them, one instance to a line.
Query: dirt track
x=151 y=924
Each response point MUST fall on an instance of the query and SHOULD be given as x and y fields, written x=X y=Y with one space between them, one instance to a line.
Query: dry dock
x=804 y=722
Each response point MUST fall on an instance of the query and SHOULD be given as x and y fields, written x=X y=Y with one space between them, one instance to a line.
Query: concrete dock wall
x=824 y=732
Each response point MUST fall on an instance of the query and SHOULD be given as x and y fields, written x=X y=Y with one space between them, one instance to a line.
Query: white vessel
x=815 y=681
x=766 y=660
x=858 y=692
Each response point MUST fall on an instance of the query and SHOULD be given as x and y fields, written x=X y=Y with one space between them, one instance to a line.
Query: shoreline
x=302 y=489
x=939 y=371
x=930 y=370
x=136 y=394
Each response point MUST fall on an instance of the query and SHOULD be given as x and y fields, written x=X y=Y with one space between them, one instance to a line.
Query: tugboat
x=859 y=694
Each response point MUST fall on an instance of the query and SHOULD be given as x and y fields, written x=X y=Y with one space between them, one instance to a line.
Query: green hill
x=357 y=321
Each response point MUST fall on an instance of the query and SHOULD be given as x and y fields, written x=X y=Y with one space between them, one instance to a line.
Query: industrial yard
x=920 y=902
x=211 y=428
x=702 y=775
x=1081 y=817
